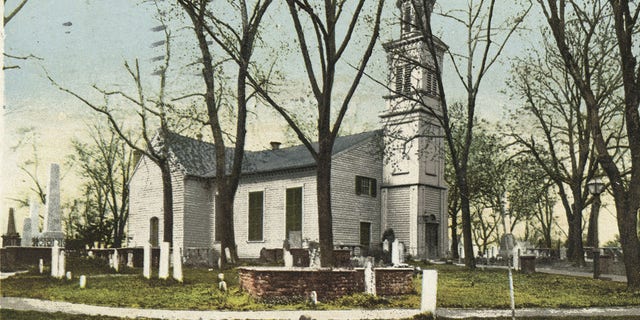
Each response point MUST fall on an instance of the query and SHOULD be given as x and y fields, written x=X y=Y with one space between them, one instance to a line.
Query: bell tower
x=414 y=194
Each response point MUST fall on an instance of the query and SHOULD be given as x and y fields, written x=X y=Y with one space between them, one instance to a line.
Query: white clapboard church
x=392 y=178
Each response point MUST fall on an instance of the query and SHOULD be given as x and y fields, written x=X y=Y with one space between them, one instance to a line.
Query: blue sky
x=85 y=42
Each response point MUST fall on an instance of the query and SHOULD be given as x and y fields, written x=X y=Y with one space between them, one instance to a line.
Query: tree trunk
x=627 y=226
x=454 y=238
x=325 y=221
x=467 y=237
x=575 y=250
x=227 y=241
x=167 y=197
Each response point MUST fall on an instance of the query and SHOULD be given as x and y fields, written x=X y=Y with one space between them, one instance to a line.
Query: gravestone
x=11 y=238
x=26 y=233
x=146 y=263
x=41 y=266
x=83 y=281
x=130 y=259
x=116 y=260
x=163 y=270
x=69 y=277
x=429 y=291
x=369 y=277
x=62 y=260
x=55 y=253
x=395 y=253
x=295 y=239
x=177 y=264
x=222 y=285
x=401 y=252
x=385 y=245
x=287 y=257
x=52 y=219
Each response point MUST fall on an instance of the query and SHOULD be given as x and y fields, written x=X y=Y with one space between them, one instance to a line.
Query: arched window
x=153 y=231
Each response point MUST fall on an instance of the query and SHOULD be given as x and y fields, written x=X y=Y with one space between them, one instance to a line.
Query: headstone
x=369 y=278
x=401 y=252
x=222 y=285
x=163 y=270
x=314 y=258
x=90 y=253
x=27 y=235
x=11 y=238
x=146 y=263
x=287 y=257
x=563 y=253
x=83 y=281
x=55 y=253
x=116 y=260
x=516 y=258
x=68 y=275
x=395 y=252
x=313 y=297
x=130 y=259
x=295 y=239
x=41 y=266
x=62 y=258
x=385 y=245
x=429 y=291
x=52 y=219
x=177 y=264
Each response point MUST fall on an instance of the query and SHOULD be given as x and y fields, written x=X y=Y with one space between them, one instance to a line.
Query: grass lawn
x=457 y=288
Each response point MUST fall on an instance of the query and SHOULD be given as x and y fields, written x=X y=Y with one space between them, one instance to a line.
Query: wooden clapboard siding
x=274 y=186
x=198 y=213
x=146 y=202
x=398 y=215
x=349 y=208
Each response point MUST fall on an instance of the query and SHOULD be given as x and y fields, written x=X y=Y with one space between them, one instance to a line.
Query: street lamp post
x=595 y=187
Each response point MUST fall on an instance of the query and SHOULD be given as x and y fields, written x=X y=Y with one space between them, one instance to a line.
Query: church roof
x=197 y=158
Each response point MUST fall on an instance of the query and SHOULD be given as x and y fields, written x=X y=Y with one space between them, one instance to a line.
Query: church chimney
x=275 y=145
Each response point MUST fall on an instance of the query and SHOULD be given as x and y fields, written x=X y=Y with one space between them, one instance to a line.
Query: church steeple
x=410 y=11
x=412 y=71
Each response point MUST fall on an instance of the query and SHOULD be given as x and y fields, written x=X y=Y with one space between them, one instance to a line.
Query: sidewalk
x=25 y=304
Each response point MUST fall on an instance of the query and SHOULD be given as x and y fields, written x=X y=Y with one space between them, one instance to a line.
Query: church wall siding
x=398 y=216
x=198 y=208
x=350 y=209
x=274 y=187
x=146 y=202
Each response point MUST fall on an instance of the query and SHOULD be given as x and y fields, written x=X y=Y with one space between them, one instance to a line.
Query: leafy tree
x=554 y=114
x=106 y=165
x=591 y=15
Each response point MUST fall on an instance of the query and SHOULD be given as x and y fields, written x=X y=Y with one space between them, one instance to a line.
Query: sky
x=81 y=43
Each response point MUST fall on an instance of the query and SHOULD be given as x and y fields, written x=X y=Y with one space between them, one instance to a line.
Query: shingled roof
x=197 y=158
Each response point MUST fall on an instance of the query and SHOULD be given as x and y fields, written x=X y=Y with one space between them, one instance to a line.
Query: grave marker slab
x=163 y=270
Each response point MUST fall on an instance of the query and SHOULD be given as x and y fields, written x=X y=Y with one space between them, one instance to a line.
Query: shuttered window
x=256 y=214
x=366 y=186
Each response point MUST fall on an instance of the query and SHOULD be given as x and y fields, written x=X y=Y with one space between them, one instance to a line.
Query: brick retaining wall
x=297 y=283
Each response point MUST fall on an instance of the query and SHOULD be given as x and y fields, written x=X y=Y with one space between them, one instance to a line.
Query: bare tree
x=323 y=44
x=238 y=44
x=7 y=18
x=486 y=40
x=557 y=131
x=29 y=138
x=106 y=164
x=154 y=121
x=625 y=188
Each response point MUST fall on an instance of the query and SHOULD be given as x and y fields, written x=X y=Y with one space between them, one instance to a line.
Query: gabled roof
x=197 y=158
